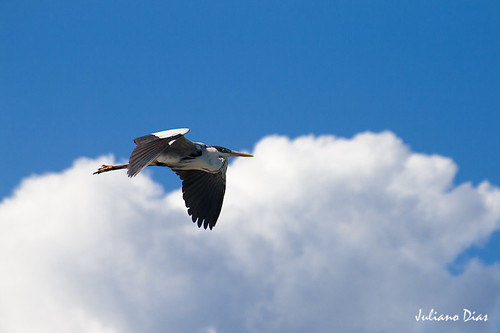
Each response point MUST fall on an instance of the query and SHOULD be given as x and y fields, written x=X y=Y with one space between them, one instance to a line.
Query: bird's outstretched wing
x=203 y=193
x=150 y=146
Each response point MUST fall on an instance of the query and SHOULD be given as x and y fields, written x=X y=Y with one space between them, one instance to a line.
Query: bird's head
x=226 y=152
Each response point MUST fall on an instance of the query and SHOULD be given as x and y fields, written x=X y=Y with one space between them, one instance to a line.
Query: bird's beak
x=235 y=153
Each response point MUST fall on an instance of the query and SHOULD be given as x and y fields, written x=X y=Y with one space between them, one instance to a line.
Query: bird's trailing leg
x=106 y=168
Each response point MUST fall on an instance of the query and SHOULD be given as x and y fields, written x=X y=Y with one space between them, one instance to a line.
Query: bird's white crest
x=170 y=133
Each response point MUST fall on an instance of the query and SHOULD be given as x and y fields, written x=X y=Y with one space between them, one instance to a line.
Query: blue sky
x=83 y=78
x=80 y=79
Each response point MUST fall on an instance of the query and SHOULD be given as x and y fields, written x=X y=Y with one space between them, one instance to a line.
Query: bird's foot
x=104 y=168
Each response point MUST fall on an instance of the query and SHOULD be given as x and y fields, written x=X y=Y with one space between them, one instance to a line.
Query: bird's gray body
x=210 y=160
x=202 y=169
x=170 y=148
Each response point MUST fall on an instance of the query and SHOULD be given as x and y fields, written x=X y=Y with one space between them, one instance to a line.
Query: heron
x=201 y=168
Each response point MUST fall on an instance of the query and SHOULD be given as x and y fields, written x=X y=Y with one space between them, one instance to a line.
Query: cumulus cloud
x=317 y=234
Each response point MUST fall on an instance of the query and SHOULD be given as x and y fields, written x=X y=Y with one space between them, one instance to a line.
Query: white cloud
x=318 y=234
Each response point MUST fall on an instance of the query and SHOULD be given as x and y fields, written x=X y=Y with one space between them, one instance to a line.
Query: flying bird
x=201 y=168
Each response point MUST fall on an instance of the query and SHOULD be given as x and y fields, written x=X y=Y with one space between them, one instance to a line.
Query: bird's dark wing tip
x=202 y=222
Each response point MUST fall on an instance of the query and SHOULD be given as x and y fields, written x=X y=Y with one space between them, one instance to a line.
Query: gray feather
x=148 y=148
